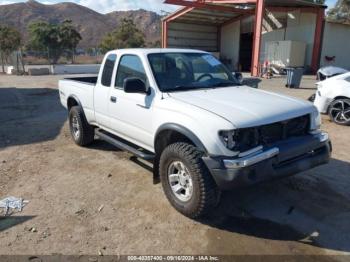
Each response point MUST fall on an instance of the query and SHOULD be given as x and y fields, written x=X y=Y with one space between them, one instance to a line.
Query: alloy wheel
x=180 y=181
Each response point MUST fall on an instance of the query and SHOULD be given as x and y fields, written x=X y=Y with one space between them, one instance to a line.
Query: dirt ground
x=87 y=200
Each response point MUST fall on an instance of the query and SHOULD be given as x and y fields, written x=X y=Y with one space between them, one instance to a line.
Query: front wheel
x=82 y=133
x=186 y=180
x=339 y=111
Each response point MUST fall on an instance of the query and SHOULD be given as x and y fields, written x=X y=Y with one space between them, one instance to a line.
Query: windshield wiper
x=199 y=87
x=225 y=84
x=184 y=88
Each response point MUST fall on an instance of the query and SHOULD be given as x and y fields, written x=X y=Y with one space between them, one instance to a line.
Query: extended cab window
x=130 y=66
x=108 y=70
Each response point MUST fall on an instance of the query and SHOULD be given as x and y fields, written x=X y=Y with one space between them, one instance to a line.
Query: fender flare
x=184 y=131
x=76 y=99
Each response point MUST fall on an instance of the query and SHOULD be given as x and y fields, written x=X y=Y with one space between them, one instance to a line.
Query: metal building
x=241 y=32
x=335 y=45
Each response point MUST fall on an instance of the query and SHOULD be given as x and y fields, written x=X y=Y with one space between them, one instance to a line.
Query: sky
x=105 y=6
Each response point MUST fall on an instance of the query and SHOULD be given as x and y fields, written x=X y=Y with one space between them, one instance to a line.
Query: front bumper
x=283 y=159
x=322 y=103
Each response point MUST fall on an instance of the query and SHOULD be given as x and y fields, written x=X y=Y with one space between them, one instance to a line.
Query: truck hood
x=244 y=106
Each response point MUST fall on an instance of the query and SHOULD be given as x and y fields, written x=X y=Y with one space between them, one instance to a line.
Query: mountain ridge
x=91 y=25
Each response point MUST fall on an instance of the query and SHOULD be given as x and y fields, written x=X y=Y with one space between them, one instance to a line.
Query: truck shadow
x=11 y=221
x=29 y=115
x=311 y=208
x=100 y=145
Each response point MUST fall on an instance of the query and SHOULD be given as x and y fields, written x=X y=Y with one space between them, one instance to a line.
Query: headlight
x=240 y=140
x=227 y=138
x=316 y=121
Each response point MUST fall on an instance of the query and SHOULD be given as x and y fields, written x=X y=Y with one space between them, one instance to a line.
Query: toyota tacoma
x=204 y=132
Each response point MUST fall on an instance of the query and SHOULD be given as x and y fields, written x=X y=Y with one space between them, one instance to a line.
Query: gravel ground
x=89 y=200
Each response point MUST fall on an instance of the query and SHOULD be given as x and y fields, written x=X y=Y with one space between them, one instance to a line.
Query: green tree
x=155 y=44
x=53 y=39
x=340 y=12
x=70 y=37
x=126 y=36
x=10 y=40
x=46 y=37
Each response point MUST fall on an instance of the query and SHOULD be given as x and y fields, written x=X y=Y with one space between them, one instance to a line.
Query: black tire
x=205 y=194
x=339 y=111
x=77 y=122
x=312 y=98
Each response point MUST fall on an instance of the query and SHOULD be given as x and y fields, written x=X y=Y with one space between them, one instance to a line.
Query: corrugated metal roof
x=293 y=3
x=211 y=17
x=282 y=3
x=279 y=3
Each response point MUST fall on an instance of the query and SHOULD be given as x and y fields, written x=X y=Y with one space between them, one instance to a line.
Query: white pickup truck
x=203 y=130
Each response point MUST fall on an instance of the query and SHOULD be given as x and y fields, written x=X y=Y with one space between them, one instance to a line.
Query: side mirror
x=238 y=76
x=135 y=85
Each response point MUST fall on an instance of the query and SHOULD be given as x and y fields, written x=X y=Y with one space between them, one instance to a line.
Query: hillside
x=91 y=25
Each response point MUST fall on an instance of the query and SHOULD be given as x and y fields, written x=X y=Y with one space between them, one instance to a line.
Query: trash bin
x=294 y=76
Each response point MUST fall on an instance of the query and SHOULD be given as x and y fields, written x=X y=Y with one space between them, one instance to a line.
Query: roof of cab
x=146 y=51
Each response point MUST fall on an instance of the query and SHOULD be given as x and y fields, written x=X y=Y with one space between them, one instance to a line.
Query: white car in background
x=333 y=98
x=330 y=71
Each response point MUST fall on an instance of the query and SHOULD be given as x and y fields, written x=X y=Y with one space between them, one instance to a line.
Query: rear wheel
x=82 y=133
x=186 y=180
x=339 y=111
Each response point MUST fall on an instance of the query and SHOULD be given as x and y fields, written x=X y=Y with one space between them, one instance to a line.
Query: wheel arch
x=170 y=133
x=73 y=101
x=341 y=97
x=334 y=99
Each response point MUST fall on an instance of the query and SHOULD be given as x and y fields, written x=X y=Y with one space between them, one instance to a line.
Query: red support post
x=316 y=53
x=166 y=20
x=259 y=16
x=164 y=34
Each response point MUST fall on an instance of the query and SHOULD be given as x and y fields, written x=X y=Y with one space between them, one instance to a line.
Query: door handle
x=113 y=99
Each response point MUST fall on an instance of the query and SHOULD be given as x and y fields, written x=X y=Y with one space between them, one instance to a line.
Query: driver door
x=131 y=114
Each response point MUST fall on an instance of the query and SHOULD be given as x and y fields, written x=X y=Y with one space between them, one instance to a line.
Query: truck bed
x=82 y=88
x=86 y=80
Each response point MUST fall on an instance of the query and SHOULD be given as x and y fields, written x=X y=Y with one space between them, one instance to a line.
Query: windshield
x=189 y=71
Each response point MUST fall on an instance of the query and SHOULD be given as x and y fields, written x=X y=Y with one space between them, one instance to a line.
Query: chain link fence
x=19 y=62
